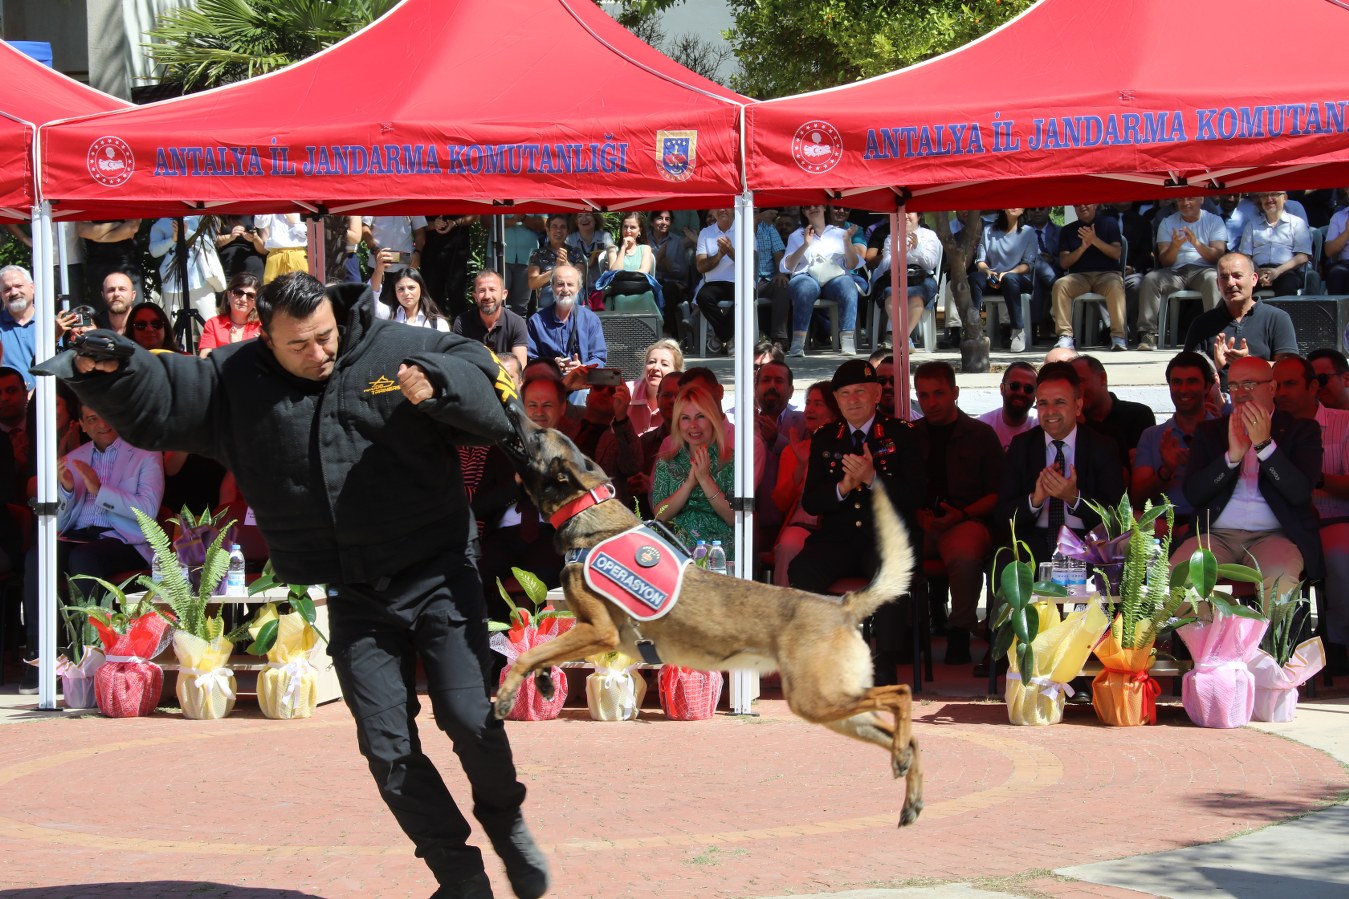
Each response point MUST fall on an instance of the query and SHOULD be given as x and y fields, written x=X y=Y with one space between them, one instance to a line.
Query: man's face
x=858 y=402
x=566 y=287
x=1332 y=387
x=1236 y=280
x=665 y=398
x=1018 y=392
x=1190 y=207
x=885 y=373
x=600 y=402
x=725 y=218
x=99 y=431
x=937 y=399
x=1272 y=203
x=1188 y=390
x=1293 y=393
x=1251 y=380
x=1094 y=392
x=772 y=389
x=118 y=293
x=305 y=347
x=13 y=400
x=542 y=404
x=1057 y=407
x=487 y=295
x=1086 y=212
x=18 y=293
x=1036 y=216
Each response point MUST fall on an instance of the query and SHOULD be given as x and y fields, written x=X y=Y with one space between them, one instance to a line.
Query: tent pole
x=744 y=684
x=899 y=306
x=317 y=250
x=61 y=261
x=46 y=459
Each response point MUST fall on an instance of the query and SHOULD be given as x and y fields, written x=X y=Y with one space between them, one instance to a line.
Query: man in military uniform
x=847 y=461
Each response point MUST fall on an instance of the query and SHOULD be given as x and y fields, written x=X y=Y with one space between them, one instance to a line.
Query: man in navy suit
x=1055 y=467
x=1251 y=479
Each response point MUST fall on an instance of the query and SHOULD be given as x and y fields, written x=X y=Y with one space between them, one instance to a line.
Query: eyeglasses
x=1248 y=386
x=143 y=325
x=247 y=294
x=1323 y=378
x=1018 y=387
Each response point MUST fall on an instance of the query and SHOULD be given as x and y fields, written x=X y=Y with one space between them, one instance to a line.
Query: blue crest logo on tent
x=675 y=153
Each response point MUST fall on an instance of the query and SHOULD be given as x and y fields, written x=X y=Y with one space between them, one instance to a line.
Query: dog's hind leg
x=593 y=632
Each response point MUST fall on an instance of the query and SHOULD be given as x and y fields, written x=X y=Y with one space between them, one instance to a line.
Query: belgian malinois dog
x=720 y=623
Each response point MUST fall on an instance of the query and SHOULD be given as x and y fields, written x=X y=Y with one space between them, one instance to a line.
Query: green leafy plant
x=1018 y=618
x=188 y=605
x=79 y=608
x=536 y=591
x=297 y=600
x=1280 y=608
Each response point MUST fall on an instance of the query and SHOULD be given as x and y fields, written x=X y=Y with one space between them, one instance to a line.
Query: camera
x=84 y=316
x=604 y=377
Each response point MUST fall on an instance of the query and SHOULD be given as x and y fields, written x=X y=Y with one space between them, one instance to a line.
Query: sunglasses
x=1323 y=379
x=249 y=294
x=1018 y=387
x=144 y=325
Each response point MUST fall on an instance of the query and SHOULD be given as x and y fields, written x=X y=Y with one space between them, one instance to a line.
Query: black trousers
x=432 y=612
x=104 y=557
x=721 y=320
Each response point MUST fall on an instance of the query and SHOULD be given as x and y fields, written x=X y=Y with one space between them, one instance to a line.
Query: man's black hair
x=296 y=294
x=1060 y=371
x=1191 y=359
x=936 y=370
x=1018 y=365
x=1337 y=359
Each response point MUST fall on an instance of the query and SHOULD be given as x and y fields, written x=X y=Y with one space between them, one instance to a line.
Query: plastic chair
x=1168 y=316
x=994 y=309
x=637 y=304
x=880 y=315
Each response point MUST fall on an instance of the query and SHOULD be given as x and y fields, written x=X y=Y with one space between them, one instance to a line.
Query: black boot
x=525 y=864
x=475 y=887
x=958 y=646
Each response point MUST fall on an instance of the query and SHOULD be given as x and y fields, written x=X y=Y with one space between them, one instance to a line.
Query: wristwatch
x=1260 y=447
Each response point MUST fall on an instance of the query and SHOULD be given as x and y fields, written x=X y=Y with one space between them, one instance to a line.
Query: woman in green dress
x=690 y=487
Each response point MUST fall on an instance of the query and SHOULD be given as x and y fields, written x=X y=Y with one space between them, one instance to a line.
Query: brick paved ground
x=730 y=807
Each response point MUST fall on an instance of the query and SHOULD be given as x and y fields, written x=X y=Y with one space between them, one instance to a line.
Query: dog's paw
x=909 y=813
x=505 y=702
x=543 y=679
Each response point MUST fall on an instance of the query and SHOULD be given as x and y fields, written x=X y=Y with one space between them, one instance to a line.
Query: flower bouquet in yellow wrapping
x=1022 y=632
x=616 y=690
x=1061 y=646
x=206 y=684
x=288 y=688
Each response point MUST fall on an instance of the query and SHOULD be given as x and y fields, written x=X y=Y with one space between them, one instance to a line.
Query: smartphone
x=399 y=257
x=604 y=377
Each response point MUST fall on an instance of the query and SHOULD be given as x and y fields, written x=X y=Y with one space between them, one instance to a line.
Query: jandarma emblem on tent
x=110 y=161
x=675 y=152
x=817 y=146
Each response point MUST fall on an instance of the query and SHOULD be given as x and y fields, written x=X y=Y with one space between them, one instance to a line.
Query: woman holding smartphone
x=412 y=303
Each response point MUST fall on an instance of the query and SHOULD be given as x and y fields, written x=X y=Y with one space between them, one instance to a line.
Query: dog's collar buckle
x=592 y=497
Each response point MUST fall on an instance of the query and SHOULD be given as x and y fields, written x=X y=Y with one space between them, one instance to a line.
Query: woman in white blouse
x=412 y=302
x=285 y=239
x=820 y=259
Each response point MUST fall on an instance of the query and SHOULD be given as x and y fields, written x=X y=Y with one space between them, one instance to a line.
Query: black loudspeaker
x=1318 y=320
x=627 y=336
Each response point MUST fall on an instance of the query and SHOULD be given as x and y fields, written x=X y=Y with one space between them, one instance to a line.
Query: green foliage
x=215 y=42
x=79 y=609
x=786 y=47
x=1280 y=608
x=1019 y=619
x=297 y=600
x=174 y=589
x=536 y=591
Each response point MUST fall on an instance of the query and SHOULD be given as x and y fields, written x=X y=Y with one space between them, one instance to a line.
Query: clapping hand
x=858 y=471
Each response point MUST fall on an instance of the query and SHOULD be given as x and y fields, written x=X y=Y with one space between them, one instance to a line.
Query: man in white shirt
x=1190 y=242
x=1015 y=415
x=715 y=261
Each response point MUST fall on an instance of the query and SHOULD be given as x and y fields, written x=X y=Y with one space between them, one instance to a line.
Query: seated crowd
x=1253 y=456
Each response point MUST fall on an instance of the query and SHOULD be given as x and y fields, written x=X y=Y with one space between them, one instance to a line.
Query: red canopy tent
x=460 y=105
x=34 y=94
x=1075 y=102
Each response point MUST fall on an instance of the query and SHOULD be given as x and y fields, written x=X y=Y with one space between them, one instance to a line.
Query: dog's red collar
x=593 y=497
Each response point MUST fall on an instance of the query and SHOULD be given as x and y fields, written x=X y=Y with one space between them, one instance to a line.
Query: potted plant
x=206 y=686
x=79 y=663
x=614 y=692
x=1278 y=666
x=1044 y=649
x=286 y=634
x=133 y=633
x=525 y=630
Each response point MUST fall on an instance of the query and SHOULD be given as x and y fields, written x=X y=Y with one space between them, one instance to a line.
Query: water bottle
x=1060 y=569
x=700 y=554
x=1077 y=578
x=1157 y=580
x=156 y=572
x=716 y=558
x=234 y=579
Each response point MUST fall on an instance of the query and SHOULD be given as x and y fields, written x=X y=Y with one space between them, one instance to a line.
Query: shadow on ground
x=154 y=888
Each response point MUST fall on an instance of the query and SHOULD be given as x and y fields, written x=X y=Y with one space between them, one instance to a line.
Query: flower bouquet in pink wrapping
x=523 y=632
x=1279 y=667
x=687 y=694
x=1220 y=690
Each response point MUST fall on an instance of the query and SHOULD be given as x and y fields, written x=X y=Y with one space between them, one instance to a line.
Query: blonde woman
x=690 y=487
x=662 y=357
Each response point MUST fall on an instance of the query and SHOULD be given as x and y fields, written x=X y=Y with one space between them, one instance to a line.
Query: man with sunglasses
x=1163 y=456
x=1251 y=479
x=1295 y=393
x=1332 y=377
x=1016 y=415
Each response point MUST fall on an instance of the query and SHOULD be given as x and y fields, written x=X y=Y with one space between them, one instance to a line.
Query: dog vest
x=639 y=570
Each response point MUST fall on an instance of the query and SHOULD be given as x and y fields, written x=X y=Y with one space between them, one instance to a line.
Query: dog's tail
x=896 y=559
